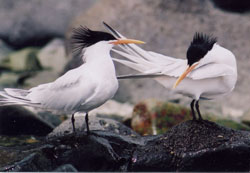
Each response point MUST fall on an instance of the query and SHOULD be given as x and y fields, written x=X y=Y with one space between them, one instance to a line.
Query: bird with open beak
x=81 y=89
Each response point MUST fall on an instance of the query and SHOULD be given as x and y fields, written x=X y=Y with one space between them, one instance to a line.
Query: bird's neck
x=98 y=53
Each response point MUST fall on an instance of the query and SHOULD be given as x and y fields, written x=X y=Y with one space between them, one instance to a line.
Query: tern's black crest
x=84 y=37
x=199 y=47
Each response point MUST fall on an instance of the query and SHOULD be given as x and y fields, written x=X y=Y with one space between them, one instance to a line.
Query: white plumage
x=81 y=89
x=214 y=75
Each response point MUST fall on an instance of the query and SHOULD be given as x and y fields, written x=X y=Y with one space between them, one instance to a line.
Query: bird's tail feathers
x=11 y=96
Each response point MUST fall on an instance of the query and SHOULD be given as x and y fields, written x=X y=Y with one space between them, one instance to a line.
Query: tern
x=81 y=89
x=209 y=72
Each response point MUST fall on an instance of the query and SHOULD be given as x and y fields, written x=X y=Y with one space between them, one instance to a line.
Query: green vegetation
x=161 y=116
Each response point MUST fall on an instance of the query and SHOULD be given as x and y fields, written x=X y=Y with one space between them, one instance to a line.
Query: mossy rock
x=22 y=60
x=155 y=117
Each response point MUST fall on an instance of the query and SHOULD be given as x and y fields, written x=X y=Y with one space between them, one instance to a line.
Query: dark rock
x=16 y=120
x=95 y=123
x=189 y=146
x=195 y=146
x=33 y=162
x=239 y=6
x=35 y=22
x=108 y=147
x=65 y=168
x=51 y=118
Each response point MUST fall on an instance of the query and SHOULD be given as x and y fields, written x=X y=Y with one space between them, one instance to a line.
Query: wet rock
x=16 y=120
x=95 y=123
x=189 y=146
x=108 y=147
x=36 y=22
x=32 y=162
x=20 y=140
x=65 y=168
x=195 y=146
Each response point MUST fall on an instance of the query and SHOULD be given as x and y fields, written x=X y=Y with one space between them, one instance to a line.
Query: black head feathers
x=84 y=37
x=199 y=47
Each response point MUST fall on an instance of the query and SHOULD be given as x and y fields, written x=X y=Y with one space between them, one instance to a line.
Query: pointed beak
x=184 y=74
x=126 y=41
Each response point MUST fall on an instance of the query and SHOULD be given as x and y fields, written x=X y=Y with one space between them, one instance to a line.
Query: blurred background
x=34 y=49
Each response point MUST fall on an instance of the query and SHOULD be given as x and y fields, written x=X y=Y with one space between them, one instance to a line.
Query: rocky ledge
x=189 y=146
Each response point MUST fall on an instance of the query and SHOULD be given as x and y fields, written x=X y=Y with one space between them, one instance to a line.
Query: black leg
x=192 y=108
x=198 y=110
x=87 y=122
x=73 y=122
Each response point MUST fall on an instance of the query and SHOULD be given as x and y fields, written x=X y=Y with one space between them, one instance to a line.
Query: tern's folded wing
x=65 y=94
x=211 y=71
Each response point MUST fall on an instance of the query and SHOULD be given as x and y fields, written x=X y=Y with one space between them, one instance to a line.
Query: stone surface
x=151 y=117
x=168 y=28
x=17 y=66
x=195 y=146
x=35 y=22
x=246 y=118
x=53 y=56
x=107 y=148
x=4 y=50
x=52 y=118
x=22 y=61
x=189 y=146
x=53 y=59
x=234 y=6
x=114 y=110
x=16 y=120
x=33 y=162
x=9 y=79
x=95 y=123
x=66 y=168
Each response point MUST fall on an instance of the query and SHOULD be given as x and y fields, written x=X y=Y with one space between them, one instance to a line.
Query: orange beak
x=126 y=41
x=184 y=74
